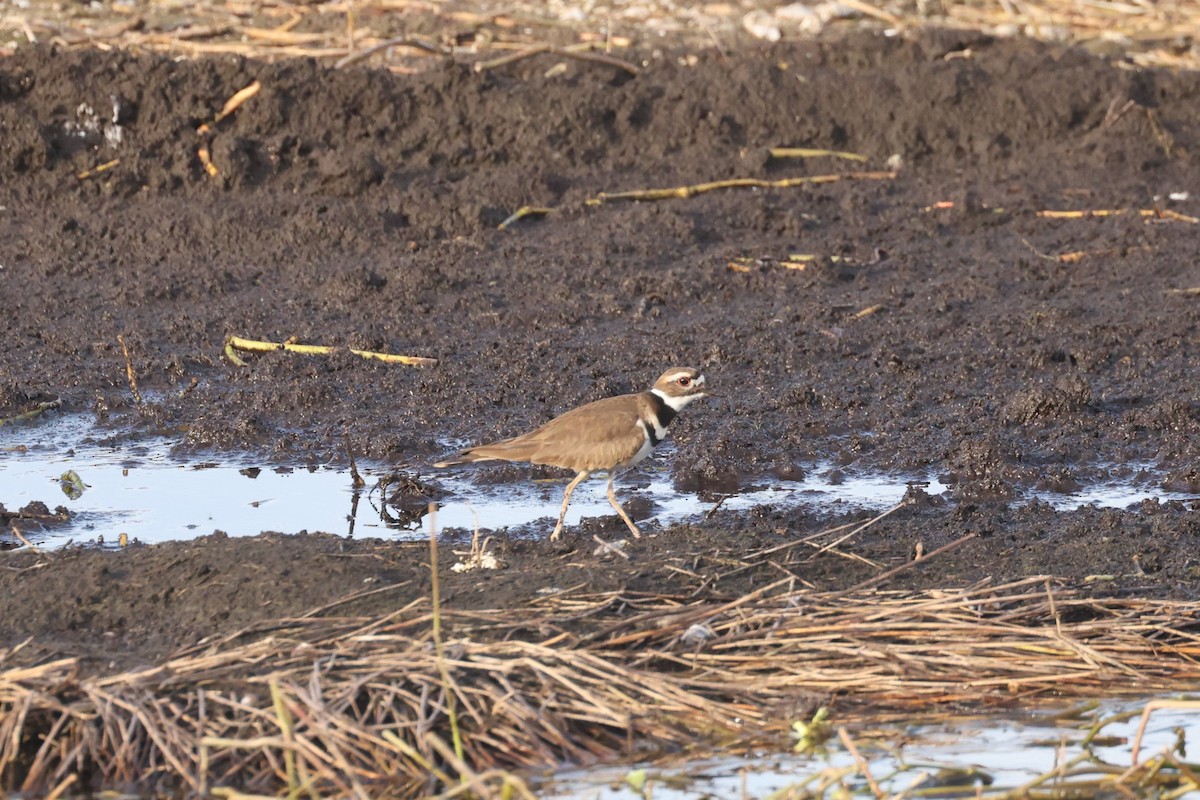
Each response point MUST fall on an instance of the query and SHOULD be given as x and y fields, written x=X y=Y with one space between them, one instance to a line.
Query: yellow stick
x=1116 y=212
x=869 y=310
x=254 y=346
x=105 y=167
x=808 y=152
x=734 y=183
x=206 y=159
x=231 y=105
x=525 y=211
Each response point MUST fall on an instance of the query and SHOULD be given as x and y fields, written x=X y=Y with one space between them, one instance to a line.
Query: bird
x=607 y=435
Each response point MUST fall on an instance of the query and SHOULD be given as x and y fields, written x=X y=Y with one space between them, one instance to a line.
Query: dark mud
x=360 y=208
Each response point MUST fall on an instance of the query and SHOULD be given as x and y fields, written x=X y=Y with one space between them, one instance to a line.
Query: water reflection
x=140 y=490
x=971 y=757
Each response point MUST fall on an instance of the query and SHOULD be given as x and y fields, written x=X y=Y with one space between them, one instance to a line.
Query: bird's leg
x=612 y=498
x=566 y=500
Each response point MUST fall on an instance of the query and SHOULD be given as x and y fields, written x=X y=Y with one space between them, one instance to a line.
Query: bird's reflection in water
x=406 y=499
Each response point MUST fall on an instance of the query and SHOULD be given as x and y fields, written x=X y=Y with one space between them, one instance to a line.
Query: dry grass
x=1159 y=34
x=358 y=706
x=406 y=35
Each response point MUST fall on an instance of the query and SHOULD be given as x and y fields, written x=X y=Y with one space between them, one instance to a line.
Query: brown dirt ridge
x=945 y=325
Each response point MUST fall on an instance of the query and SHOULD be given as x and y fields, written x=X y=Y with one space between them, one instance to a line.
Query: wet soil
x=943 y=328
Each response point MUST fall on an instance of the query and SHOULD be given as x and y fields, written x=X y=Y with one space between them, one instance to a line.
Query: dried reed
x=344 y=33
x=359 y=706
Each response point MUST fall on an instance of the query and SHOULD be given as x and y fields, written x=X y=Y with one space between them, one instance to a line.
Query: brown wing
x=599 y=435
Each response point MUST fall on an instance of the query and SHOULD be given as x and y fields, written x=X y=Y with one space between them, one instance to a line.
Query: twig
x=105 y=167
x=1065 y=258
x=861 y=528
x=859 y=761
x=231 y=105
x=356 y=480
x=399 y=41
x=609 y=547
x=735 y=183
x=522 y=213
x=871 y=11
x=350 y=598
x=581 y=52
x=439 y=648
x=1095 y=213
x=716 y=506
x=17 y=533
x=37 y=410
x=185 y=391
x=62 y=787
x=1152 y=706
x=878 y=579
x=233 y=343
x=133 y=384
x=809 y=152
x=205 y=157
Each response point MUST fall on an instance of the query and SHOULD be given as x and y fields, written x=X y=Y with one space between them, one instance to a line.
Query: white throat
x=676 y=403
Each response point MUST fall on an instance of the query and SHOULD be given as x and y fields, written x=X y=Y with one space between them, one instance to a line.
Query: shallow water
x=1010 y=751
x=140 y=489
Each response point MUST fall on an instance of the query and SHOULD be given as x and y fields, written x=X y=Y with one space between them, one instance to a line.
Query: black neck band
x=663 y=412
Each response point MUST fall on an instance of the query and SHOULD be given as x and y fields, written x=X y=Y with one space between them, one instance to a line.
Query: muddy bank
x=942 y=325
x=121 y=609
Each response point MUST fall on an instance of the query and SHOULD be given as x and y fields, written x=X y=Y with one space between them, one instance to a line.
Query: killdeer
x=604 y=436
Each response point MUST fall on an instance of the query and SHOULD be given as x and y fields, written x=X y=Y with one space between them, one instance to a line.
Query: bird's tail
x=509 y=450
x=453 y=461
x=466 y=457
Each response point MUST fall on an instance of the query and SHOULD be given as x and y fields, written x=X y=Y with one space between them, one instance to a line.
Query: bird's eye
x=685 y=381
